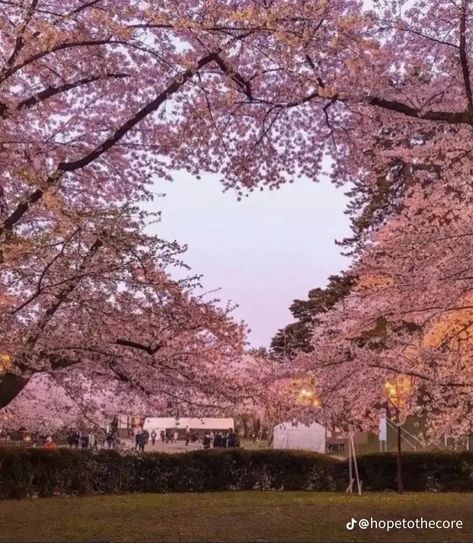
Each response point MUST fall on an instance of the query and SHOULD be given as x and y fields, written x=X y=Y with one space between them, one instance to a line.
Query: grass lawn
x=231 y=516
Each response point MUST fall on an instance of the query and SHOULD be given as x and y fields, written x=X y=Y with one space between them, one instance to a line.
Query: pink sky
x=262 y=252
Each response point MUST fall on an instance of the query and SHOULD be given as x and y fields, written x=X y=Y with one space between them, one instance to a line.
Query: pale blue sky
x=263 y=251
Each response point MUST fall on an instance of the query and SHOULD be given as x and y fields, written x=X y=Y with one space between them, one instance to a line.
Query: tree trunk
x=10 y=386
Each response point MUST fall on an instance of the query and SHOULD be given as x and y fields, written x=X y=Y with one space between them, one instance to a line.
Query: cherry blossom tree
x=410 y=315
x=98 y=296
x=82 y=398
x=97 y=98
x=399 y=117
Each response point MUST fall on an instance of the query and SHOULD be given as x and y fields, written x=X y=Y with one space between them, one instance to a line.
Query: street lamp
x=398 y=393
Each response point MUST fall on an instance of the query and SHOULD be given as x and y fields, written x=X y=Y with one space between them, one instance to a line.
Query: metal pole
x=400 y=486
x=350 y=470
x=355 y=463
x=325 y=443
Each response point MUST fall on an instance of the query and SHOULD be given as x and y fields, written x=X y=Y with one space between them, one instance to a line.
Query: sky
x=263 y=251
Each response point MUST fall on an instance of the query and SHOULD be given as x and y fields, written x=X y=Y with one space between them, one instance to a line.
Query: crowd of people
x=141 y=439
x=222 y=440
x=23 y=438
x=90 y=440
x=210 y=439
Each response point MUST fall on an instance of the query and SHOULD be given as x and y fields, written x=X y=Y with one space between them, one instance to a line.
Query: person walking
x=188 y=435
x=218 y=441
x=49 y=444
x=153 y=437
x=141 y=442
x=206 y=441
x=232 y=439
x=84 y=440
x=137 y=438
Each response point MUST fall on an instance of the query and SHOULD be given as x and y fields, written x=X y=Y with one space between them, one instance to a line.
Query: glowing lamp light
x=5 y=362
x=399 y=391
x=307 y=396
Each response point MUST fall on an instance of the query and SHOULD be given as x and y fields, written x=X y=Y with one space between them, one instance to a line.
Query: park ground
x=231 y=516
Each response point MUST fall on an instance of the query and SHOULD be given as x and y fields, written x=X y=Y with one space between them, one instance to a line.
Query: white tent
x=194 y=423
x=289 y=435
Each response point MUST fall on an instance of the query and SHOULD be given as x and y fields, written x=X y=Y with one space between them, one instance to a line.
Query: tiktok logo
x=351 y=525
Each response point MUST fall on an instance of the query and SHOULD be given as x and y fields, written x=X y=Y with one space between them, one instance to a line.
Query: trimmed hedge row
x=38 y=472
x=421 y=471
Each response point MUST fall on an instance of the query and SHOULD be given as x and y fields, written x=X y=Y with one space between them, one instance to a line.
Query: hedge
x=38 y=472
x=421 y=471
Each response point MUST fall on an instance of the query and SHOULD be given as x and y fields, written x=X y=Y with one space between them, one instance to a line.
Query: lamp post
x=398 y=393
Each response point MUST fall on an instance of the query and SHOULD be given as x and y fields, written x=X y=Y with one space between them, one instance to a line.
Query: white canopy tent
x=289 y=435
x=193 y=423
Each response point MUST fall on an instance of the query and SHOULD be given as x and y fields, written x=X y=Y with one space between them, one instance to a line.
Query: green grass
x=230 y=516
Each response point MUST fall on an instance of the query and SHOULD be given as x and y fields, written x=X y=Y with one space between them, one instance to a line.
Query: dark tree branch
x=51 y=91
x=20 y=42
x=151 y=107
x=244 y=85
x=10 y=386
x=62 y=296
x=115 y=138
x=39 y=287
x=452 y=117
x=9 y=71
x=23 y=206
x=464 y=56
x=420 y=376
x=83 y=7
x=134 y=345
